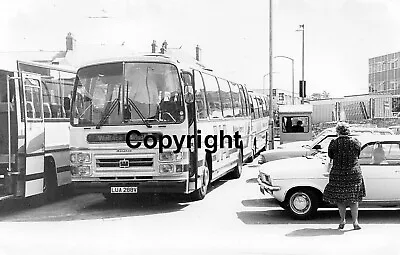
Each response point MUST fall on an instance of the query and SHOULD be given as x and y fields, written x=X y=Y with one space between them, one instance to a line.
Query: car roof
x=361 y=129
x=368 y=138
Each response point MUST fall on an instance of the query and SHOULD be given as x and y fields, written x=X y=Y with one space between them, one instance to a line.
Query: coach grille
x=137 y=163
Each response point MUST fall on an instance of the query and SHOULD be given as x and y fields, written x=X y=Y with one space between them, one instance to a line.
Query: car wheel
x=302 y=204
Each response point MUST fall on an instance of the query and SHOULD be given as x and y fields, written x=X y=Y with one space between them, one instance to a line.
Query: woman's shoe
x=356 y=227
x=341 y=225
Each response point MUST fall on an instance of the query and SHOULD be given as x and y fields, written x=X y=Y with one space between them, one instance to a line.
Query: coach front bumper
x=150 y=186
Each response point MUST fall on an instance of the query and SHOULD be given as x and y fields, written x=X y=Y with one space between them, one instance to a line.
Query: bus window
x=238 y=110
x=34 y=104
x=67 y=85
x=266 y=107
x=213 y=97
x=226 y=98
x=243 y=100
x=256 y=107
x=201 y=106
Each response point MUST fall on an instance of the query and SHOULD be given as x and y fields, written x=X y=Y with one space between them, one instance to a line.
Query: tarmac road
x=234 y=218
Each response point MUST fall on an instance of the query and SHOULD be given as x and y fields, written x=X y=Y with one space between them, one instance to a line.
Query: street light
x=292 y=74
x=264 y=81
x=302 y=61
x=271 y=112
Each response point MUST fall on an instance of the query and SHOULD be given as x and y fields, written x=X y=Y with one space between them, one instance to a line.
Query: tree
x=319 y=96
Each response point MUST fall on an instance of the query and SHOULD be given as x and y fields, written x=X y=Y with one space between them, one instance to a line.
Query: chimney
x=153 y=46
x=164 y=47
x=198 y=53
x=70 y=42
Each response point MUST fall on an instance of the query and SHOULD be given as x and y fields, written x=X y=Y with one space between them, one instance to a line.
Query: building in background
x=384 y=74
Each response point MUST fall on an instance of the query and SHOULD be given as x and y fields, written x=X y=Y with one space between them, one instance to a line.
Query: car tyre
x=302 y=204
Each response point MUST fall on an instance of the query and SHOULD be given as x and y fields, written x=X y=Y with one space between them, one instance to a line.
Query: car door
x=381 y=173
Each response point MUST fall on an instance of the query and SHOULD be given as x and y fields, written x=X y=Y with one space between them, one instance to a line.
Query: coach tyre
x=200 y=193
x=237 y=171
x=302 y=203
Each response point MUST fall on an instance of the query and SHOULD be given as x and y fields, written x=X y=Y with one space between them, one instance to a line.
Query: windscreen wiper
x=108 y=112
x=131 y=103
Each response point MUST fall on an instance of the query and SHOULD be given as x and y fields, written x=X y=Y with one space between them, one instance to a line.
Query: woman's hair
x=343 y=128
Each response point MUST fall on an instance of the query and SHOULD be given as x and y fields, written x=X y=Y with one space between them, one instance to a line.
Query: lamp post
x=301 y=29
x=271 y=112
x=264 y=82
x=292 y=74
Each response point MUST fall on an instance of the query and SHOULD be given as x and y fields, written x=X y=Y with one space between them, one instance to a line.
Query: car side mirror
x=317 y=147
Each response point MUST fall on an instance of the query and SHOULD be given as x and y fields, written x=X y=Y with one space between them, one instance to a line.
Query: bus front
x=143 y=99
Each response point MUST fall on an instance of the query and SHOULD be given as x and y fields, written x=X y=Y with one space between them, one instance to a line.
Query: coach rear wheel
x=237 y=171
x=302 y=204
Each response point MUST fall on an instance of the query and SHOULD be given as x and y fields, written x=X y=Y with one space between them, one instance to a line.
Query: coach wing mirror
x=67 y=103
x=187 y=80
x=317 y=147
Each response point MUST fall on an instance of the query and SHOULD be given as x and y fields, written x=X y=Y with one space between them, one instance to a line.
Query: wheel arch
x=313 y=188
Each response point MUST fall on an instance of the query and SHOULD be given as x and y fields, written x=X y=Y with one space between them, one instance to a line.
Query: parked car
x=299 y=149
x=395 y=129
x=298 y=183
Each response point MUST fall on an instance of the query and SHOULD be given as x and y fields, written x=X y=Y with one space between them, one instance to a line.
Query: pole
x=271 y=111
x=302 y=63
x=293 y=81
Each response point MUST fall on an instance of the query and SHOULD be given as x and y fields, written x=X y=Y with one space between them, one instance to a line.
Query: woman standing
x=346 y=185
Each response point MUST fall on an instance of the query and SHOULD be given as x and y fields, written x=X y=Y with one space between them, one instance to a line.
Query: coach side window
x=67 y=84
x=213 y=96
x=226 y=99
x=262 y=108
x=237 y=105
x=243 y=100
x=266 y=107
x=201 y=106
x=33 y=99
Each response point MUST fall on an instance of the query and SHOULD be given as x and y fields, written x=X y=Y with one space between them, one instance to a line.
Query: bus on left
x=34 y=129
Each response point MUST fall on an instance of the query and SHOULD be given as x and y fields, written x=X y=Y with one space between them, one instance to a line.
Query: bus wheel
x=50 y=180
x=200 y=193
x=237 y=171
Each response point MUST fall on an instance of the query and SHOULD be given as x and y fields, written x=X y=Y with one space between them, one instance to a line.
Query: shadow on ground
x=273 y=214
x=95 y=206
x=310 y=232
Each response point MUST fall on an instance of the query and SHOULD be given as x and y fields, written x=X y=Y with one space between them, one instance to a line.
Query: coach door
x=34 y=175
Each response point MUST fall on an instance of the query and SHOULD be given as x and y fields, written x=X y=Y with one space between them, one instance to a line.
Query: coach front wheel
x=200 y=193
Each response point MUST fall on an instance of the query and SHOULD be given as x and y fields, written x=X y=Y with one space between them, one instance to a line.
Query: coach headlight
x=80 y=157
x=169 y=156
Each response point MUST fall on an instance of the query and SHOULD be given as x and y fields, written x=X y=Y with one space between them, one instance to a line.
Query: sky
x=340 y=35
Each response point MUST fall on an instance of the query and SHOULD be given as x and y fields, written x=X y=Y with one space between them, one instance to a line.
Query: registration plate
x=123 y=189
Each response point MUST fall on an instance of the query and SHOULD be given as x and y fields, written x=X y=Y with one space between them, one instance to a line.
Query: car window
x=326 y=141
x=380 y=154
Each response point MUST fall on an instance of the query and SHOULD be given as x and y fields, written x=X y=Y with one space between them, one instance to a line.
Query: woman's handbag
x=328 y=166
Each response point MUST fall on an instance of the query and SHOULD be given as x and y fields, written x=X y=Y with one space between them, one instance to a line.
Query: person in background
x=298 y=128
x=346 y=184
